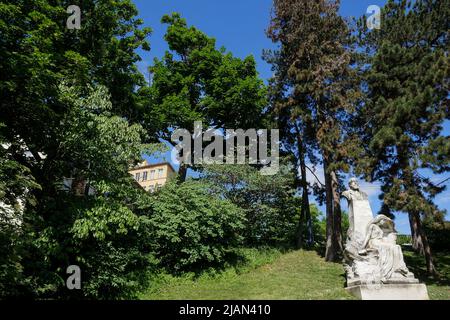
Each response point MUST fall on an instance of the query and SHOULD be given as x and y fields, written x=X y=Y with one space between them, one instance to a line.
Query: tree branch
x=315 y=176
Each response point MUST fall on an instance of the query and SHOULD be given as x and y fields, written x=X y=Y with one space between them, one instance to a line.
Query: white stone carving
x=372 y=256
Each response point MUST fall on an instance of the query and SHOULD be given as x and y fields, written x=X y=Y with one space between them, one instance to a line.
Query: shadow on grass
x=416 y=264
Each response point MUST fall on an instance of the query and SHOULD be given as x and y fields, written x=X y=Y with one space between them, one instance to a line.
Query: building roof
x=146 y=166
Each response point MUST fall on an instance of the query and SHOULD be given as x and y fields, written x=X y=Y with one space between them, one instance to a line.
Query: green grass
x=292 y=275
x=438 y=288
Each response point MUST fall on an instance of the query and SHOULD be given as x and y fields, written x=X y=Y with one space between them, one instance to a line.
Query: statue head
x=353 y=184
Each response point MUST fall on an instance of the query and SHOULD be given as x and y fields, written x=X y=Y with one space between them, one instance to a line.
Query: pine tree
x=406 y=72
x=314 y=93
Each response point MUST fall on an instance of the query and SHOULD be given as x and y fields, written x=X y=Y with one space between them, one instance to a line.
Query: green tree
x=15 y=183
x=406 y=72
x=37 y=52
x=54 y=132
x=270 y=203
x=104 y=232
x=195 y=81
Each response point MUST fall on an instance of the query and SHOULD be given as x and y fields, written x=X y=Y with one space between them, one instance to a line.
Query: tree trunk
x=305 y=210
x=420 y=241
x=416 y=240
x=337 y=214
x=300 y=229
x=331 y=246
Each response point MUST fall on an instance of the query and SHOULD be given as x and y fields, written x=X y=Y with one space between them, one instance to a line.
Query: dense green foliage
x=438 y=234
x=15 y=180
x=72 y=105
x=407 y=102
x=68 y=99
x=195 y=81
x=76 y=115
x=192 y=228
x=269 y=202
x=103 y=233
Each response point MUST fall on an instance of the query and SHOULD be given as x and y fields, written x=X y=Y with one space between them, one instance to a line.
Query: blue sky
x=239 y=26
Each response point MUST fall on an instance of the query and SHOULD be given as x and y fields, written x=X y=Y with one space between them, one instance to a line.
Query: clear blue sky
x=239 y=26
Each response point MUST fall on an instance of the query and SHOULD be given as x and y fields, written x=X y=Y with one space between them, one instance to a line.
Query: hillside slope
x=294 y=275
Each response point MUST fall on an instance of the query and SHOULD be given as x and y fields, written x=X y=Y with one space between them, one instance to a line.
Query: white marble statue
x=372 y=255
x=357 y=202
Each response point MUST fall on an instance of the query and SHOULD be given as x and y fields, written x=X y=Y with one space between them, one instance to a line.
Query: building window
x=138 y=176
x=152 y=174
x=160 y=173
x=144 y=178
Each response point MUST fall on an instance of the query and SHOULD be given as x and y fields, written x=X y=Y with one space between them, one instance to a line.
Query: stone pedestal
x=406 y=291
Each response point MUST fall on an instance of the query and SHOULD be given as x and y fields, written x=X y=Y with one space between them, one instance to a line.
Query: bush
x=191 y=228
x=111 y=244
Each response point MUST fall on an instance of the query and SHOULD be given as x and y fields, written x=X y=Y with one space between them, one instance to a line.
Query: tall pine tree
x=406 y=72
x=314 y=93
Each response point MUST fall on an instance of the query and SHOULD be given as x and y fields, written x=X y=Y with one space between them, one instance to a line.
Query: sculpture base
x=410 y=291
x=357 y=281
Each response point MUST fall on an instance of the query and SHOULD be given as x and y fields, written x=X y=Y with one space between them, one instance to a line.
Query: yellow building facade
x=152 y=176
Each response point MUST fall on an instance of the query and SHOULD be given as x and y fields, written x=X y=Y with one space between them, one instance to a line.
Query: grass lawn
x=271 y=274
x=438 y=289
x=292 y=275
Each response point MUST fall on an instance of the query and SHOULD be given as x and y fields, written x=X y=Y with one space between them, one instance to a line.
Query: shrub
x=192 y=228
x=111 y=244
